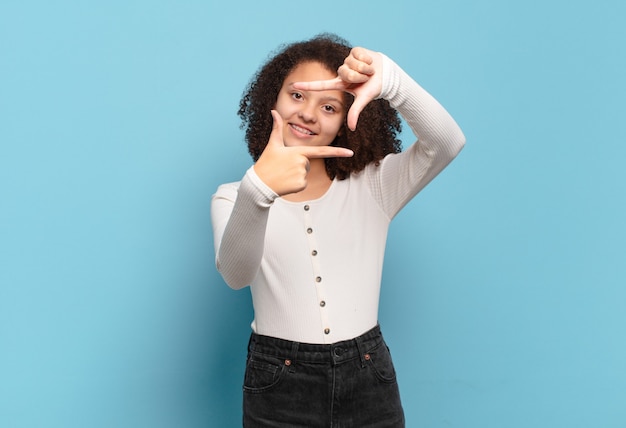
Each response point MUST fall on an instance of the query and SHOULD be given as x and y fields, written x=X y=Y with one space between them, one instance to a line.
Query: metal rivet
x=318 y=279
x=306 y=208
x=322 y=303
x=314 y=252
x=287 y=362
x=326 y=331
x=367 y=357
x=309 y=230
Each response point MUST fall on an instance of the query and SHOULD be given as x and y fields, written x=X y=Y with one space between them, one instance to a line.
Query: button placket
x=317 y=279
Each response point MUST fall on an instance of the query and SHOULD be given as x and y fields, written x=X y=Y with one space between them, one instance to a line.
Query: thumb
x=276 y=137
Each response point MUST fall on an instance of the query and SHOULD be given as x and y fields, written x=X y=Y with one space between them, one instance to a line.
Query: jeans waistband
x=317 y=353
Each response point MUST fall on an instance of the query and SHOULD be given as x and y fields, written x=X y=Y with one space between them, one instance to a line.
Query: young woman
x=306 y=228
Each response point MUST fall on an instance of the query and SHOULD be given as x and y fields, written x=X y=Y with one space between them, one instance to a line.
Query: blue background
x=504 y=291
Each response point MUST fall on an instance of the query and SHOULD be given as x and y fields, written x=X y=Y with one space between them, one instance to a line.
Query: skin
x=310 y=118
x=292 y=164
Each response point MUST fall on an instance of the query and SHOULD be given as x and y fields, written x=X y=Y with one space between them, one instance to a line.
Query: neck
x=317 y=170
x=318 y=183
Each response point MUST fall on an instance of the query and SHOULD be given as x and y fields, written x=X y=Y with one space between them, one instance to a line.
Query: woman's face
x=310 y=118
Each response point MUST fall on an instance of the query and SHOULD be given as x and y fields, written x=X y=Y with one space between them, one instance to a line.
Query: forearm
x=239 y=228
x=437 y=131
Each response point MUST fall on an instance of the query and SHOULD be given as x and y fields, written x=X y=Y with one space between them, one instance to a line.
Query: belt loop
x=361 y=348
x=294 y=354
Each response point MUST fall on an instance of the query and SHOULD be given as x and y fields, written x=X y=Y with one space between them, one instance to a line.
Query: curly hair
x=379 y=123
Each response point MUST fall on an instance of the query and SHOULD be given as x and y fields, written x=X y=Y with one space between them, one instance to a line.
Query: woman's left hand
x=360 y=75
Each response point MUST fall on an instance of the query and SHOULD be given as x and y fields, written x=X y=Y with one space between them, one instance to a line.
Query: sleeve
x=399 y=177
x=239 y=217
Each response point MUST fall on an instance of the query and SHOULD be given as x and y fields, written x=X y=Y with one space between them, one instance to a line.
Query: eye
x=329 y=109
x=296 y=96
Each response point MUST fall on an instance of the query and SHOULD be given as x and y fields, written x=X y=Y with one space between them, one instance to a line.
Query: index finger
x=322 y=85
x=313 y=152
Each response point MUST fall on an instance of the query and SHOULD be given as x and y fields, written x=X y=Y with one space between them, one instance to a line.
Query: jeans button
x=338 y=352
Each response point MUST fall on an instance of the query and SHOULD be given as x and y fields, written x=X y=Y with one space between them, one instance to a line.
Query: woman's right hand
x=285 y=169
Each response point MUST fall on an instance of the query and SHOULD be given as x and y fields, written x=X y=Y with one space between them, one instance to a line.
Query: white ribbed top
x=315 y=267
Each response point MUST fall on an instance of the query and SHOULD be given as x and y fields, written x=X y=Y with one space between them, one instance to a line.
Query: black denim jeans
x=346 y=384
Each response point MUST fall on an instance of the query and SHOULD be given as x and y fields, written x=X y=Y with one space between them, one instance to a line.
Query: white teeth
x=302 y=130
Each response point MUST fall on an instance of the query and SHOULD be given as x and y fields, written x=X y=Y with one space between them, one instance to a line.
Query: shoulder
x=227 y=190
x=376 y=167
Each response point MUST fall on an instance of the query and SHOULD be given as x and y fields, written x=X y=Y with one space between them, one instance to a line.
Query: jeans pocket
x=262 y=373
x=380 y=361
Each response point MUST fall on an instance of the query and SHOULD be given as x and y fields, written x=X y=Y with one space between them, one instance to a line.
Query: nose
x=307 y=114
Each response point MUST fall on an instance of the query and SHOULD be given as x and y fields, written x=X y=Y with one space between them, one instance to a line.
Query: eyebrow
x=326 y=98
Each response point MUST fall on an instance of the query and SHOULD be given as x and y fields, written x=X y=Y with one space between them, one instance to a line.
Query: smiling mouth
x=301 y=129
